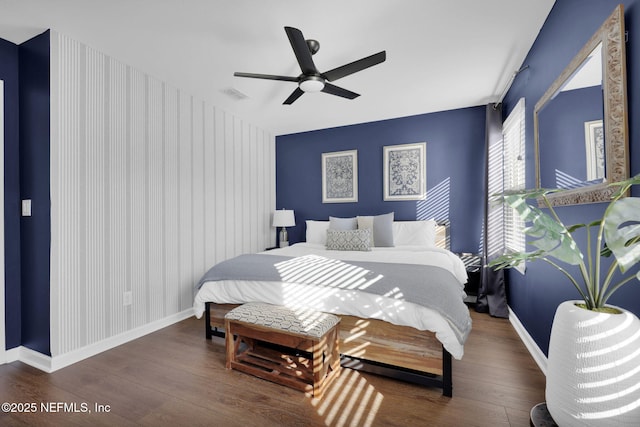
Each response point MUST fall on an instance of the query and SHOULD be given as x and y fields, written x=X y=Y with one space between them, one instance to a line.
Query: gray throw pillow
x=381 y=227
x=336 y=223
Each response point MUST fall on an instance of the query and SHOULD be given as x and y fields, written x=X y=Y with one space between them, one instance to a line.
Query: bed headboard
x=442 y=235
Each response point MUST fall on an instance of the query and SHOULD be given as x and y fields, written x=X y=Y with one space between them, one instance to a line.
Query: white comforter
x=346 y=300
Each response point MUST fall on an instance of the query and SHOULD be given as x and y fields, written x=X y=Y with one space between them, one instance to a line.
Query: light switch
x=26 y=207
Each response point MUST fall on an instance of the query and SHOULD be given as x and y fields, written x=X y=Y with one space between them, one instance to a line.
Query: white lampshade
x=283 y=218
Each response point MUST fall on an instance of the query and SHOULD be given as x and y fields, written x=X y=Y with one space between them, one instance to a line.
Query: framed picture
x=594 y=144
x=340 y=177
x=405 y=171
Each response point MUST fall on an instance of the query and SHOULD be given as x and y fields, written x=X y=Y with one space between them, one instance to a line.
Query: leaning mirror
x=580 y=123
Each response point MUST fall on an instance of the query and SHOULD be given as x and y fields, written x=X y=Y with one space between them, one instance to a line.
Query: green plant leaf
x=547 y=233
x=622 y=231
x=623 y=186
x=514 y=259
x=575 y=227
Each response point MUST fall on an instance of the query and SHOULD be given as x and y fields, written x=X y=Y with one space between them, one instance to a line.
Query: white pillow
x=414 y=233
x=317 y=231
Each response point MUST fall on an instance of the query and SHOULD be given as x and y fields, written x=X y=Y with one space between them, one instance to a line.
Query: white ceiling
x=441 y=54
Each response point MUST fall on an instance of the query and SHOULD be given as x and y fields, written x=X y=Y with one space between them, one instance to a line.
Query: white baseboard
x=53 y=363
x=12 y=355
x=534 y=350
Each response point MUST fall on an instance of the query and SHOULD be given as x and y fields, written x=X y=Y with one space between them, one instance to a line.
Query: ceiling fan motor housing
x=311 y=83
x=313 y=45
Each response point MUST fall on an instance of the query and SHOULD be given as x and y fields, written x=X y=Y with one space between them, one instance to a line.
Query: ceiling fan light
x=312 y=84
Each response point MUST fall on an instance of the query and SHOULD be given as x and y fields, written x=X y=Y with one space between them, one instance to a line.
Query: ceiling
x=441 y=55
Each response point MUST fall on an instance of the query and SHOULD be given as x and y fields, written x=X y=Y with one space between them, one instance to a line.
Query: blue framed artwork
x=405 y=171
x=340 y=177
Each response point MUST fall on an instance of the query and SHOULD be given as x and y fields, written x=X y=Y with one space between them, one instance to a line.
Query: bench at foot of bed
x=295 y=348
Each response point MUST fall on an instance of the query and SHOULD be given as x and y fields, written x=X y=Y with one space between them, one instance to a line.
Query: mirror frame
x=614 y=81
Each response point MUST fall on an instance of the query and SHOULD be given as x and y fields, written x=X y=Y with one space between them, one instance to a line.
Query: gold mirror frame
x=614 y=82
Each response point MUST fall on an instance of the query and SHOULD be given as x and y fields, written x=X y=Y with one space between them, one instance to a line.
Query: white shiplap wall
x=149 y=187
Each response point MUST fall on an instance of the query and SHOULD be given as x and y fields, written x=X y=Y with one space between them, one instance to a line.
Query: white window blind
x=507 y=172
x=495 y=212
x=513 y=133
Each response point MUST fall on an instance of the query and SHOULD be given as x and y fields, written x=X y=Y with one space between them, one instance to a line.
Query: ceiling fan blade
x=355 y=66
x=266 y=76
x=335 y=90
x=300 y=48
x=294 y=95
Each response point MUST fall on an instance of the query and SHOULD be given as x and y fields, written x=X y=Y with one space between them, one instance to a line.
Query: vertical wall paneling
x=137 y=206
x=239 y=222
x=230 y=195
x=155 y=155
x=248 y=153
x=264 y=189
x=209 y=183
x=93 y=197
x=149 y=187
x=117 y=177
x=171 y=184
x=220 y=173
x=252 y=176
x=185 y=217
x=269 y=173
x=198 y=161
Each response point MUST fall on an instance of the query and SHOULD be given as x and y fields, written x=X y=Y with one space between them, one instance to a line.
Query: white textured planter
x=593 y=369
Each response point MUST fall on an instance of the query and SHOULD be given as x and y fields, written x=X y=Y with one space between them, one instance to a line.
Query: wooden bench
x=295 y=348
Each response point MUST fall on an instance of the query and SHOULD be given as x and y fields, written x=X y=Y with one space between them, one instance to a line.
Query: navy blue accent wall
x=9 y=71
x=455 y=171
x=34 y=185
x=535 y=296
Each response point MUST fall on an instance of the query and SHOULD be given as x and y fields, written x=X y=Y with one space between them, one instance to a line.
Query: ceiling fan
x=311 y=80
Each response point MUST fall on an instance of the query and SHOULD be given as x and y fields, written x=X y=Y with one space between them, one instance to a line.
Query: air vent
x=234 y=93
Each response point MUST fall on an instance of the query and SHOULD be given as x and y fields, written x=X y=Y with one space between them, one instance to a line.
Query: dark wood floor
x=175 y=377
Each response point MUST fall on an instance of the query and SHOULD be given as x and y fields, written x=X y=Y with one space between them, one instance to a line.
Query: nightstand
x=473 y=264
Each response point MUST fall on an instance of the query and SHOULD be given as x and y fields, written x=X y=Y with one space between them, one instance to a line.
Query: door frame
x=3 y=344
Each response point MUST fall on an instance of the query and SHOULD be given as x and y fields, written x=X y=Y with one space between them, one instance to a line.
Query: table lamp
x=283 y=218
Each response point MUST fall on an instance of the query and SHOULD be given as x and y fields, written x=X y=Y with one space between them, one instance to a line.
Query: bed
x=400 y=296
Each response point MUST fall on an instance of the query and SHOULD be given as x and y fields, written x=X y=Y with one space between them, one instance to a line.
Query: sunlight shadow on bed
x=350 y=400
x=334 y=279
x=327 y=272
x=338 y=279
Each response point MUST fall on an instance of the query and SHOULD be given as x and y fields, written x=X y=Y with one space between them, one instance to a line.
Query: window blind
x=513 y=133
x=506 y=165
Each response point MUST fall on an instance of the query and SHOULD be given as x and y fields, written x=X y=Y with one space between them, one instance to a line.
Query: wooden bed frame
x=375 y=346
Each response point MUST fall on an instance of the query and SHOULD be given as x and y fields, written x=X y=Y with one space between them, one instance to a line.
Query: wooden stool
x=297 y=348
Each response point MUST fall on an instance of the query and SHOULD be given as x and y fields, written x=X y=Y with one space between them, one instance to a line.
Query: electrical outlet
x=26 y=207
x=127 y=298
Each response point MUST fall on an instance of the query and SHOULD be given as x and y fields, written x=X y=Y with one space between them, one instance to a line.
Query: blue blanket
x=429 y=286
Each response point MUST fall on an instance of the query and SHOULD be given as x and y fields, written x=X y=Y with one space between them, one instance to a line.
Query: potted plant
x=593 y=365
